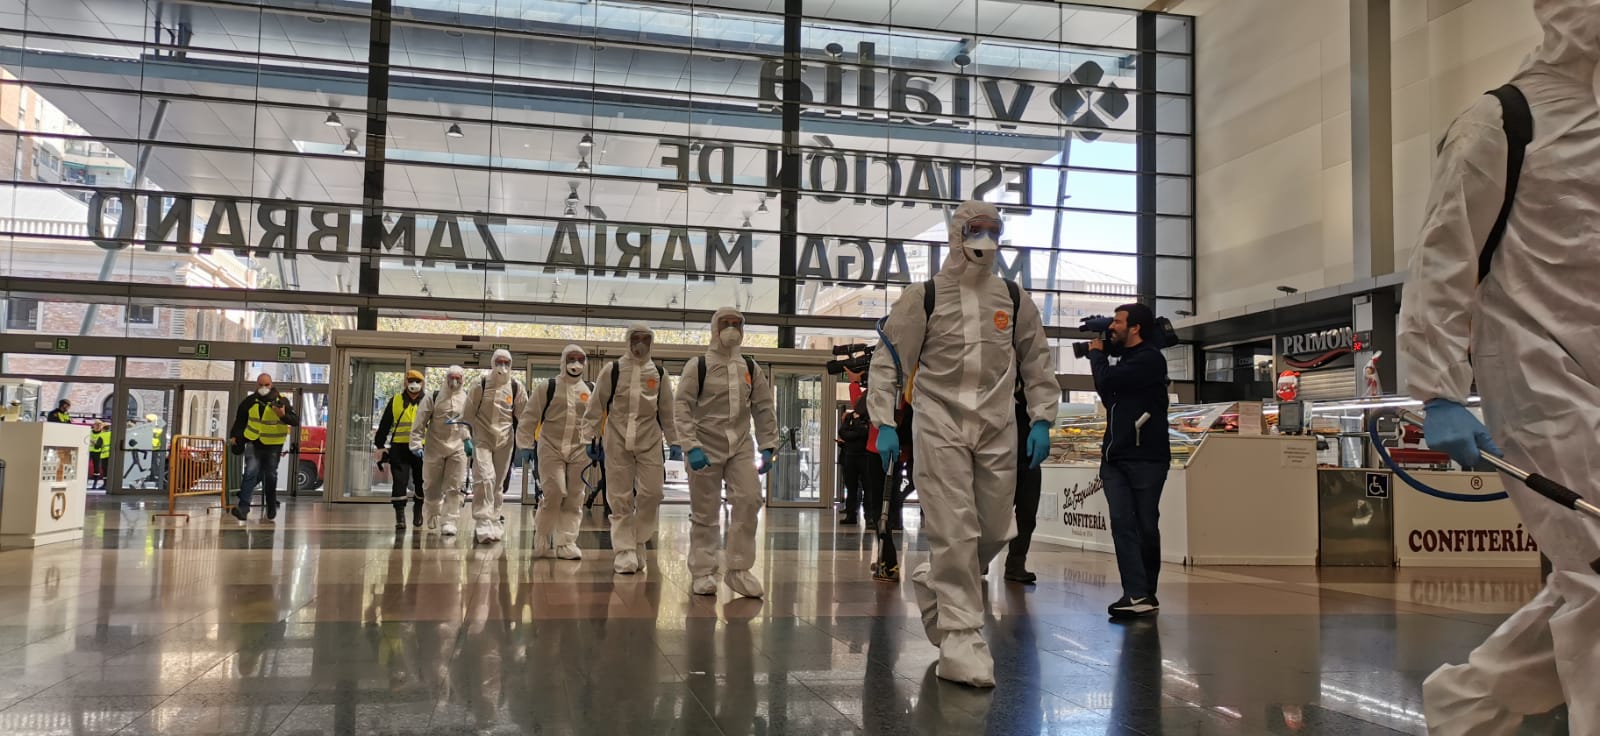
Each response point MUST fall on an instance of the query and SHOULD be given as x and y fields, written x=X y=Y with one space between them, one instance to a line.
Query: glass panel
x=1174 y=236
x=1175 y=33
x=1174 y=277
x=372 y=382
x=145 y=439
x=798 y=475
x=1173 y=74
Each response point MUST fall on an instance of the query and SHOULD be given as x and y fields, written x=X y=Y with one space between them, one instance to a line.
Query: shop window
x=22 y=314
x=141 y=314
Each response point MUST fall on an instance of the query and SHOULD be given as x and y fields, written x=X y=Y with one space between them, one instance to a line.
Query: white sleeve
x=419 y=422
x=1435 y=329
x=905 y=329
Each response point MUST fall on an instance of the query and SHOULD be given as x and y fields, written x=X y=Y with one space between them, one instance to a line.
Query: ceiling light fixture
x=586 y=143
x=454 y=131
x=695 y=147
x=333 y=121
x=583 y=165
x=1288 y=290
x=571 y=211
x=834 y=49
x=763 y=207
x=746 y=220
x=350 y=145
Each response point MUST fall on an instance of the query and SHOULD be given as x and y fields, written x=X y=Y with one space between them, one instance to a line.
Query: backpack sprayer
x=887 y=567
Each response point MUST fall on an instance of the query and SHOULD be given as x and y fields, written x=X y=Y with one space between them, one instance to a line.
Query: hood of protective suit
x=562 y=369
x=636 y=329
x=958 y=261
x=1571 y=42
x=717 y=350
x=455 y=372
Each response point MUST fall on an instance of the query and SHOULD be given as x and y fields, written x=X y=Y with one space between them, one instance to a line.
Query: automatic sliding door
x=372 y=381
x=801 y=477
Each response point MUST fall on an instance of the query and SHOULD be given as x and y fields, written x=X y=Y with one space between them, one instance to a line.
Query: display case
x=1075 y=440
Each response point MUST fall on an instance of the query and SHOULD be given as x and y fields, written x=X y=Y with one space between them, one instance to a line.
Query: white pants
x=705 y=517
x=967 y=486
x=489 y=469
x=561 y=478
x=1542 y=656
x=634 y=489
x=442 y=478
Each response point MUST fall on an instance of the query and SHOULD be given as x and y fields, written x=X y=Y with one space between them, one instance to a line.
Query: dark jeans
x=1133 y=491
x=1029 y=485
x=260 y=466
x=406 y=470
x=97 y=468
x=855 y=467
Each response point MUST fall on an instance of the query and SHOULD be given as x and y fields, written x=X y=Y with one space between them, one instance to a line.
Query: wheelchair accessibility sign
x=1378 y=485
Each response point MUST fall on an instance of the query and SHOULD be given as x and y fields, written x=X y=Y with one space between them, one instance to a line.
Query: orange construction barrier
x=199 y=467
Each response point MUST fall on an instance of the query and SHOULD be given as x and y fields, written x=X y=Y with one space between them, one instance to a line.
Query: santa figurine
x=1288 y=385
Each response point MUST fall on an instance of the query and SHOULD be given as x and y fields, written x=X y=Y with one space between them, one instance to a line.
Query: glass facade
x=273 y=171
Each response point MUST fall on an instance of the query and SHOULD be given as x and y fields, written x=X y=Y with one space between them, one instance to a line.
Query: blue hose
x=1383 y=453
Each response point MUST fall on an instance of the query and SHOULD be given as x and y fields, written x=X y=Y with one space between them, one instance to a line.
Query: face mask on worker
x=414 y=386
x=501 y=370
x=263 y=390
x=454 y=383
x=730 y=337
x=980 y=239
x=574 y=368
x=639 y=346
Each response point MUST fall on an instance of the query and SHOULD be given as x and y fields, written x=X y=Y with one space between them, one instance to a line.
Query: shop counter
x=46 y=472
x=1234 y=500
x=1436 y=532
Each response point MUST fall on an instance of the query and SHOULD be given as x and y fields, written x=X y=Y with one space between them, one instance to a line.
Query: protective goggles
x=734 y=323
x=573 y=358
x=980 y=228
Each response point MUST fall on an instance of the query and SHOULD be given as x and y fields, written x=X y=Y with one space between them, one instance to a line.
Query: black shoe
x=240 y=515
x=272 y=512
x=872 y=524
x=416 y=516
x=1021 y=576
x=850 y=521
x=1133 y=607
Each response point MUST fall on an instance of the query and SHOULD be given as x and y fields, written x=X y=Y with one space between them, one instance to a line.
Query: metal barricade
x=199 y=467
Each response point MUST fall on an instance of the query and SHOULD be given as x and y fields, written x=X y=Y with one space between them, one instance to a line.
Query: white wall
x=1273 y=126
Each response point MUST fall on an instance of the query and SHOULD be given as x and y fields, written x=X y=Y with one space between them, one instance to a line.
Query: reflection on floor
x=330 y=622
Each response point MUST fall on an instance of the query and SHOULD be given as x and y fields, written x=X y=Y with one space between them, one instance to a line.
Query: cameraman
x=261 y=426
x=1134 y=451
x=854 y=430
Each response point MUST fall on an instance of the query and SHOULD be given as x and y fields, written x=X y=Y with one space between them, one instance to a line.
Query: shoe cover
x=928 y=603
x=744 y=583
x=483 y=532
x=626 y=562
x=705 y=585
x=544 y=545
x=569 y=552
x=432 y=521
x=964 y=658
x=498 y=529
x=448 y=529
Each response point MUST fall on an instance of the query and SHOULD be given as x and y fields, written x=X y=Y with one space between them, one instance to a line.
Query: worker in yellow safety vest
x=394 y=432
x=260 y=430
x=99 y=453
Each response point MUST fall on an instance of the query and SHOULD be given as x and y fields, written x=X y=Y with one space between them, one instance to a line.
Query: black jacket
x=241 y=417
x=1134 y=387
x=386 y=421
x=854 y=428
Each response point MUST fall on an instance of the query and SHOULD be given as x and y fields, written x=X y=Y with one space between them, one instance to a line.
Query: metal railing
x=199 y=467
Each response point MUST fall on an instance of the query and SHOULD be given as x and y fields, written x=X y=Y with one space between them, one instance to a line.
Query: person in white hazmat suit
x=966 y=356
x=442 y=447
x=1530 y=332
x=714 y=417
x=556 y=413
x=493 y=404
x=636 y=411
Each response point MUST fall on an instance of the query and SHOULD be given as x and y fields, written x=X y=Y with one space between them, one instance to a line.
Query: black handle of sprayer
x=1554 y=491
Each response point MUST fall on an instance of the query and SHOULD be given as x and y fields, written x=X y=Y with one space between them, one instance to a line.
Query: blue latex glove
x=527 y=455
x=1038 y=443
x=595 y=452
x=1451 y=429
x=888 y=447
x=698 y=460
x=766 y=462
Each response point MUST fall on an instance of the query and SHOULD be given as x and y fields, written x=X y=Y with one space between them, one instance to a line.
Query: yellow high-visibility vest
x=403 y=415
x=266 y=426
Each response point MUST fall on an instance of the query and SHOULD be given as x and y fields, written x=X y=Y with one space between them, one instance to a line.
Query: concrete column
x=1371 y=138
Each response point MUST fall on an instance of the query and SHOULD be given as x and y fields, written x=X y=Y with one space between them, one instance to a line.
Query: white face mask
x=639 y=349
x=263 y=390
x=731 y=337
x=502 y=370
x=980 y=250
x=413 y=387
x=574 y=369
x=455 y=384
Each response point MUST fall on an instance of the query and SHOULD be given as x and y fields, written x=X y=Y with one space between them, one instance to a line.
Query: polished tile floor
x=332 y=623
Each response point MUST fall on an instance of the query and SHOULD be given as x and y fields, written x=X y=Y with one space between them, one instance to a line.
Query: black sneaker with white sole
x=1134 y=607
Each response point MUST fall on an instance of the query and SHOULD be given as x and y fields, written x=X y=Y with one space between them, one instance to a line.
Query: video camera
x=1165 y=334
x=856 y=358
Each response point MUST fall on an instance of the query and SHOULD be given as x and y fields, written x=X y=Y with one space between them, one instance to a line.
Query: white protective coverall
x=966 y=356
x=444 y=458
x=493 y=402
x=716 y=418
x=562 y=458
x=640 y=414
x=1533 y=328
